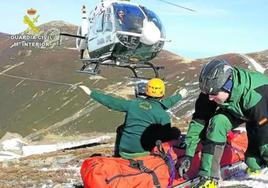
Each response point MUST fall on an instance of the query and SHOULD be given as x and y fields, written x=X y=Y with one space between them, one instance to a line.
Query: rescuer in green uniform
x=144 y=116
x=229 y=96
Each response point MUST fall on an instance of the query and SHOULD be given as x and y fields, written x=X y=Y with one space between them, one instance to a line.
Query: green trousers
x=213 y=146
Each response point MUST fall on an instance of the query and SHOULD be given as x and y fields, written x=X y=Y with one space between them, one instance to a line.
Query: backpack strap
x=163 y=154
x=138 y=164
x=166 y=156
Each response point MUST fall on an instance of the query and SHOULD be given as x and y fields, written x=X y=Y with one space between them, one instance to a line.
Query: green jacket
x=248 y=101
x=140 y=114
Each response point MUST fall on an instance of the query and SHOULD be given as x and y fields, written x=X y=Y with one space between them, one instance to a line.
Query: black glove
x=184 y=165
x=182 y=145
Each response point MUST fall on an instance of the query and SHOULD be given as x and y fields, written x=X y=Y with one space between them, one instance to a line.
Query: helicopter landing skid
x=91 y=66
x=87 y=69
x=145 y=65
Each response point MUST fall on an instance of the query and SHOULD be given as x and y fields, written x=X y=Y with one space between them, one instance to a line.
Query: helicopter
x=119 y=34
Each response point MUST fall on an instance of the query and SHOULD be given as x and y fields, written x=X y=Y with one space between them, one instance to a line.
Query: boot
x=252 y=172
x=207 y=182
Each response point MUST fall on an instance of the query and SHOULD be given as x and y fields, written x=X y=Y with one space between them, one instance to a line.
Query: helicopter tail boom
x=71 y=35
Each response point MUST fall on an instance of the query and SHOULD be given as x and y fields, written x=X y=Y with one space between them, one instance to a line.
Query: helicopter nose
x=150 y=33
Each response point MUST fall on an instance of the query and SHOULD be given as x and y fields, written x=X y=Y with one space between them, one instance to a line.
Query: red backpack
x=155 y=170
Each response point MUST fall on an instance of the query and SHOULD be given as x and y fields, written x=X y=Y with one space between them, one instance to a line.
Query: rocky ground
x=54 y=169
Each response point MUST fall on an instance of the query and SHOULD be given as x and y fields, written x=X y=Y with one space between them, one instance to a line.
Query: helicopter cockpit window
x=154 y=18
x=128 y=17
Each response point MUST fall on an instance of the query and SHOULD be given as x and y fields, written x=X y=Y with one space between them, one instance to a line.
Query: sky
x=217 y=26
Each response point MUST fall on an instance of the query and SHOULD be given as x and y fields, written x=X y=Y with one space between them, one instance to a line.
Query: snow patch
x=16 y=148
x=244 y=180
x=39 y=149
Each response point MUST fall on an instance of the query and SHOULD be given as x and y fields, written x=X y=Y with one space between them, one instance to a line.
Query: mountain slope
x=40 y=96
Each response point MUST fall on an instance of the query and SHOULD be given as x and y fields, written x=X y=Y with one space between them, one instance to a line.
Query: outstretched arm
x=114 y=103
x=172 y=100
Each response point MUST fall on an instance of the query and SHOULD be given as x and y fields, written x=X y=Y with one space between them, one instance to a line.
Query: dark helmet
x=140 y=89
x=214 y=75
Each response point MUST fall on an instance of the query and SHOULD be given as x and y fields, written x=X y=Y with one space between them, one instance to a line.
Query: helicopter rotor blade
x=173 y=4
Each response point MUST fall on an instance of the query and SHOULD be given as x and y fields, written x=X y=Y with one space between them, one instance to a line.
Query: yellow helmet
x=155 y=88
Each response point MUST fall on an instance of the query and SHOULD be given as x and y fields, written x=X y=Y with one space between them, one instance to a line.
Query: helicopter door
x=108 y=25
x=108 y=30
x=101 y=39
